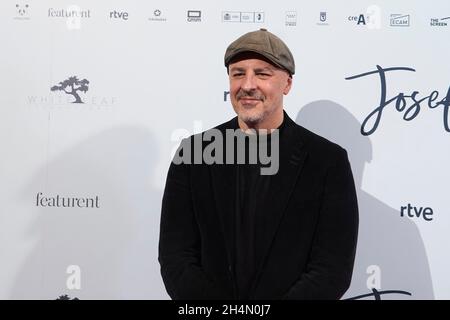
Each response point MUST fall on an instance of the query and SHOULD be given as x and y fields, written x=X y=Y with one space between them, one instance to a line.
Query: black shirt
x=252 y=189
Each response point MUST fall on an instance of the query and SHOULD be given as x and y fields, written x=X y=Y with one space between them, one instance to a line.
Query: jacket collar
x=291 y=158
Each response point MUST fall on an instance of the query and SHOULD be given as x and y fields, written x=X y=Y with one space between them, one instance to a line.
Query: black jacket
x=314 y=212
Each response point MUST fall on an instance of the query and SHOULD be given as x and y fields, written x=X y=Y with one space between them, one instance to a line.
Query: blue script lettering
x=377 y=294
x=410 y=112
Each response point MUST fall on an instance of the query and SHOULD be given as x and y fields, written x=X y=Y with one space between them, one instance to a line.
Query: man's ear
x=288 y=85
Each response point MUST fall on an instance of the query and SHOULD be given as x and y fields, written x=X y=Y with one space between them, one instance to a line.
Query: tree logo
x=72 y=86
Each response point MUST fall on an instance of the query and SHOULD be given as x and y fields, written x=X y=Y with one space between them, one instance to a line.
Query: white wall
x=149 y=78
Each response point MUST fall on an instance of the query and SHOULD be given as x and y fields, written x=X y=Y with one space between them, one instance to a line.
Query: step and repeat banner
x=96 y=96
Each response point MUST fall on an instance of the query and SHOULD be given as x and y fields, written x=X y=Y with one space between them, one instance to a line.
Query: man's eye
x=263 y=74
x=238 y=74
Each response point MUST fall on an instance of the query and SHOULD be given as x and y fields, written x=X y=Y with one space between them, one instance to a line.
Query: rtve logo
x=417 y=212
x=118 y=15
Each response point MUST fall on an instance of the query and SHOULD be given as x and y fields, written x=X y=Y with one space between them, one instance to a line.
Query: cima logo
x=194 y=16
x=72 y=86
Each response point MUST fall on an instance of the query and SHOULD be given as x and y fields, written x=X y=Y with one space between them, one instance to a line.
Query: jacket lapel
x=224 y=180
x=292 y=157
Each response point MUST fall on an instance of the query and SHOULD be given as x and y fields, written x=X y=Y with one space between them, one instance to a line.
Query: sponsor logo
x=121 y=15
x=435 y=22
x=358 y=19
x=72 y=91
x=22 y=11
x=157 y=15
x=291 y=18
x=399 y=20
x=238 y=16
x=323 y=19
x=417 y=212
x=72 y=86
x=194 y=16
x=58 y=201
x=371 y=19
x=73 y=15
x=69 y=12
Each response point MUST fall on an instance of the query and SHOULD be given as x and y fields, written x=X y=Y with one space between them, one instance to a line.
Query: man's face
x=257 y=88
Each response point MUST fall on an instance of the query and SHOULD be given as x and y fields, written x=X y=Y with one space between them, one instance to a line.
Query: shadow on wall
x=387 y=243
x=114 y=245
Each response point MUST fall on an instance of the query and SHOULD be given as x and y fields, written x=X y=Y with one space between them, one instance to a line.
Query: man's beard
x=251 y=119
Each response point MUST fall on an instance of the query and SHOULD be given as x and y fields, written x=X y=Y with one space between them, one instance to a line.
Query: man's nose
x=249 y=82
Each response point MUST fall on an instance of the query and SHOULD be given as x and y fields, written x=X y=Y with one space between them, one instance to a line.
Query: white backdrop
x=153 y=77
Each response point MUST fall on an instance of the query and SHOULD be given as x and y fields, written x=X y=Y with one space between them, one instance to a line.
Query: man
x=228 y=231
